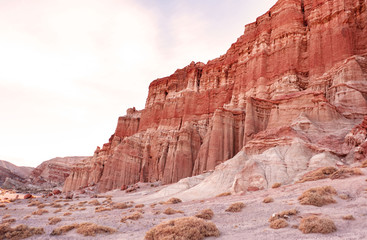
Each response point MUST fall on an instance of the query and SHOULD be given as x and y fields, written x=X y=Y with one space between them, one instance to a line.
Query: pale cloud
x=69 y=68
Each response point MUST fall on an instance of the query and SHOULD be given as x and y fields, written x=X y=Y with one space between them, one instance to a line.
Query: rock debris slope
x=290 y=95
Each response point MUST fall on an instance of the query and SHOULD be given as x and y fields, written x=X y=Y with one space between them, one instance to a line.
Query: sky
x=70 y=68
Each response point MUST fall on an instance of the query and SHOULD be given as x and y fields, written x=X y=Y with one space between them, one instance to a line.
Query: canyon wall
x=298 y=72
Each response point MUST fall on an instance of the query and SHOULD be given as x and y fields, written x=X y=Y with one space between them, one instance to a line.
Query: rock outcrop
x=296 y=77
x=9 y=170
x=53 y=173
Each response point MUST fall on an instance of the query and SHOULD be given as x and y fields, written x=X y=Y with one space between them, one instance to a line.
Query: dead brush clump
x=268 y=200
x=285 y=214
x=42 y=205
x=173 y=201
x=276 y=185
x=235 y=207
x=94 y=202
x=318 y=196
x=8 y=220
x=346 y=173
x=64 y=229
x=19 y=232
x=278 y=223
x=135 y=216
x=40 y=212
x=278 y=220
x=315 y=224
x=224 y=194
x=183 y=228
x=206 y=214
x=139 y=205
x=320 y=173
x=67 y=214
x=54 y=220
x=81 y=204
x=348 y=217
x=56 y=205
x=364 y=164
x=120 y=206
x=2 y=205
x=57 y=210
x=91 y=229
x=102 y=209
x=6 y=216
x=171 y=211
x=86 y=229
x=34 y=203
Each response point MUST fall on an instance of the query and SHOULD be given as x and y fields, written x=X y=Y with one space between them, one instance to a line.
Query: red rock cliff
x=301 y=58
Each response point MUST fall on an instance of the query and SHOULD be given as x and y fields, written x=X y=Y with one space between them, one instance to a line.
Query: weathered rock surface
x=52 y=173
x=292 y=87
x=9 y=170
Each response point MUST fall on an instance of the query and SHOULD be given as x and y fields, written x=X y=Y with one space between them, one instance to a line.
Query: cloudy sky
x=69 y=68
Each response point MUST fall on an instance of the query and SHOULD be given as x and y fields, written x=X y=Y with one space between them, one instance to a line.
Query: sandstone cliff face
x=53 y=172
x=299 y=73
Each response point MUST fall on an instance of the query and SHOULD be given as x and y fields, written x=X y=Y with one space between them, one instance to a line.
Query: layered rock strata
x=53 y=173
x=297 y=74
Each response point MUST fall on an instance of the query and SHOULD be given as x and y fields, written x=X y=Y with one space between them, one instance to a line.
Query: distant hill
x=10 y=170
x=54 y=171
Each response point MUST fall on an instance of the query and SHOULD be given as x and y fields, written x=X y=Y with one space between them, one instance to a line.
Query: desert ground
x=131 y=215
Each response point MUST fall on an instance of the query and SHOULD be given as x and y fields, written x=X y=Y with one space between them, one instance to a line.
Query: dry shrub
x=318 y=174
x=345 y=173
x=57 y=210
x=344 y=196
x=173 y=201
x=224 y=194
x=120 y=206
x=276 y=185
x=2 y=205
x=34 y=203
x=235 y=207
x=139 y=205
x=153 y=205
x=170 y=211
x=94 y=202
x=42 y=205
x=135 y=216
x=205 y=214
x=56 y=205
x=40 y=212
x=9 y=220
x=26 y=217
x=268 y=200
x=82 y=203
x=54 y=220
x=278 y=223
x=318 y=196
x=67 y=214
x=91 y=229
x=19 y=232
x=6 y=216
x=348 y=217
x=139 y=210
x=183 y=228
x=63 y=229
x=364 y=164
x=283 y=215
x=314 y=224
x=102 y=209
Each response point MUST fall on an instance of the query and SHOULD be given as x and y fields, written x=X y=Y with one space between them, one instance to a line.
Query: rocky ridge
x=9 y=170
x=289 y=96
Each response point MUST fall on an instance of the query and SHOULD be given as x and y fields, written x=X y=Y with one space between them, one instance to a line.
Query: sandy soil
x=250 y=223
